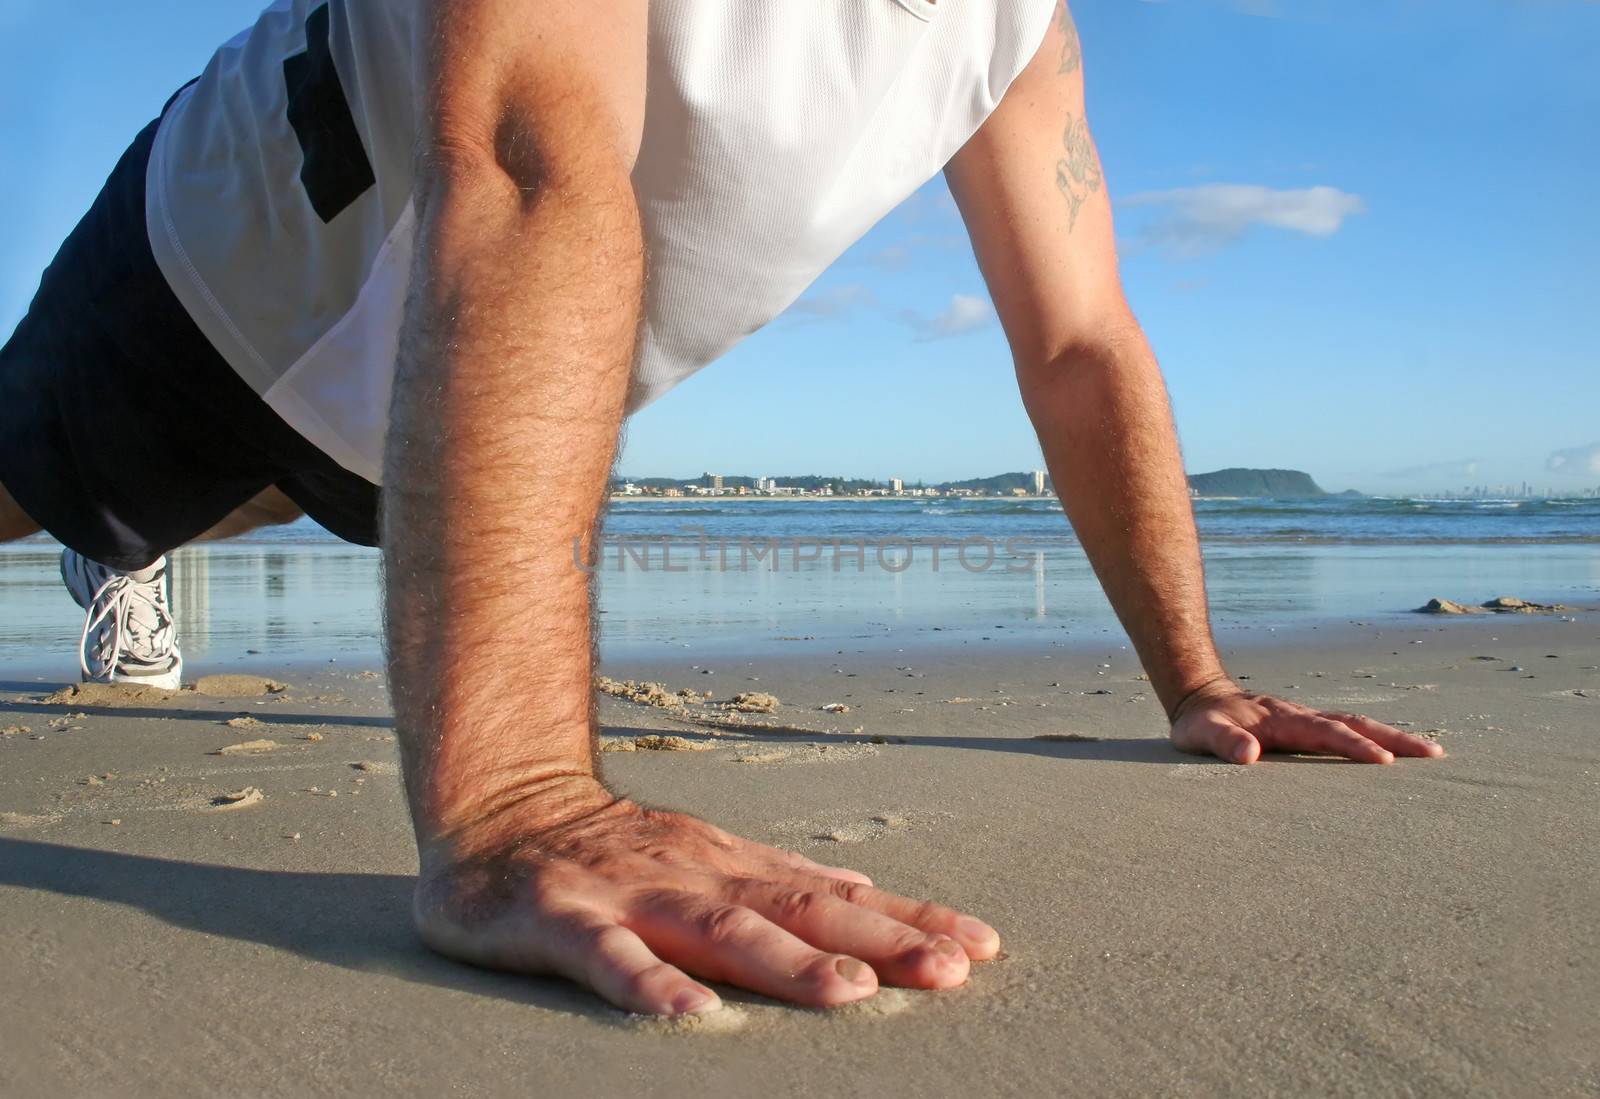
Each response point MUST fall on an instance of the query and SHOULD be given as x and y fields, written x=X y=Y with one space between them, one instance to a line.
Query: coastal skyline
x=1222 y=484
x=1359 y=237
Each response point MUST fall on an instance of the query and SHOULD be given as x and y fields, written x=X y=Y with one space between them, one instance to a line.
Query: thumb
x=1233 y=744
x=1212 y=734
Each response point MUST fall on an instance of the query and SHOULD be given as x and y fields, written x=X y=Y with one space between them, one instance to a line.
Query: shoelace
x=114 y=600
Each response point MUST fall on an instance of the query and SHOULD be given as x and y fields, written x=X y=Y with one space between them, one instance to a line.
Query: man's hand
x=1237 y=726
x=630 y=902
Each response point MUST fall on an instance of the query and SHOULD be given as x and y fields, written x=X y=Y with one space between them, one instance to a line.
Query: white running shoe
x=129 y=635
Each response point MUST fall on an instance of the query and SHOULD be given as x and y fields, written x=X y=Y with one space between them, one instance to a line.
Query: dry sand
x=1172 y=925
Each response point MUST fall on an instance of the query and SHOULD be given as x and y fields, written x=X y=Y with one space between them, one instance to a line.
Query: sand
x=1172 y=925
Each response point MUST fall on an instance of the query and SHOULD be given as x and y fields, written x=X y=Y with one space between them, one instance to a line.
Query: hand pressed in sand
x=638 y=903
x=1237 y=726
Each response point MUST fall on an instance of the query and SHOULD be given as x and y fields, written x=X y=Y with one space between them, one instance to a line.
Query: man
x=406 y=241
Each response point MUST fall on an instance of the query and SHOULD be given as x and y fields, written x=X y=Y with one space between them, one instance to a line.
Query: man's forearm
x=508 y=398
x=1102 y=415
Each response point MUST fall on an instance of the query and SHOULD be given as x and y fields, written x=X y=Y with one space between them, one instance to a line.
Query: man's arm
x=515 y=360
x=1030 y=188
x=514 y=364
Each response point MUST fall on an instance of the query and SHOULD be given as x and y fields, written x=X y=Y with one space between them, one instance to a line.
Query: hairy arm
x=1031 y=190
x=515 y=357
x=516 y=353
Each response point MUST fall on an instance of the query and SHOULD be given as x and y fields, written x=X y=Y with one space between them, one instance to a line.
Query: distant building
x=896 y=485
x=1038 y=482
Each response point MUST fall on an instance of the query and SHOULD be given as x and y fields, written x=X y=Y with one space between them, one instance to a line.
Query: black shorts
x=122 y=431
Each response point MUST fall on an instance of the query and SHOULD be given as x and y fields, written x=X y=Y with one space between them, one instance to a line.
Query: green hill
x=1000 y=484
x=1255 y=482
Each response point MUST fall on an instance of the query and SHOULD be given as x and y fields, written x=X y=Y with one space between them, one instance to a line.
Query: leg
x=14 y=522
x=270 y=508
x=124 y=434
x=132 y=635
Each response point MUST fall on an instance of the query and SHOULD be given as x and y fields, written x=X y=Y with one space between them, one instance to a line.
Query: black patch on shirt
x=336 y=171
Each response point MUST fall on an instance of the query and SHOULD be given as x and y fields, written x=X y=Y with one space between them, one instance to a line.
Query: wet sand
x=210 y=891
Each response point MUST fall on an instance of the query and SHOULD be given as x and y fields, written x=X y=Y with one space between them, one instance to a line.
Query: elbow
x=514 y=164
x=1110 y=340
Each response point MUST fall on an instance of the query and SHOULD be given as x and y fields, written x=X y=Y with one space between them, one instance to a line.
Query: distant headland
x=1282 y=483
x=1255 y=482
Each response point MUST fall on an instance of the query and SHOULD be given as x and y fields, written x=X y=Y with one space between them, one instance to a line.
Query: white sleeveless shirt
x=776 y=133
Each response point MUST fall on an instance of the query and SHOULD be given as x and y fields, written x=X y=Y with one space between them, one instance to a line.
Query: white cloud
x=1578 y=460
x=1196 y=220
x=965 y=313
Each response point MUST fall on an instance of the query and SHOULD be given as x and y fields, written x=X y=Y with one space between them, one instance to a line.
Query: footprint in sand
x=846 y=830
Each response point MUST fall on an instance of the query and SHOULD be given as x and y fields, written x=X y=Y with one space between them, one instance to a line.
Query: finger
x=978 y=939
x=899 y=953
x=738 y=946
x=618 y=965
x=1312 y=732
x=796 y=861
x=1217 y=736
x=1400 y=743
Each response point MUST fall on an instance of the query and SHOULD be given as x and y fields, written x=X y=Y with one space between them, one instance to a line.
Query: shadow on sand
x=359 y=922
x=1110 y=749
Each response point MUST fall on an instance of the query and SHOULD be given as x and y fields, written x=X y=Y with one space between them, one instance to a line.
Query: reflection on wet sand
x=315 y=599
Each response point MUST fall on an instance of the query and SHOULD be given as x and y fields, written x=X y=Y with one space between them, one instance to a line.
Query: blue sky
x=1361 y=235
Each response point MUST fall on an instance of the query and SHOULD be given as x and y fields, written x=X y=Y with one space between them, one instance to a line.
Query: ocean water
x=718 y=578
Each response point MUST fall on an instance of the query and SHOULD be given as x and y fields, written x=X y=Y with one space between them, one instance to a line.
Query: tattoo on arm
x=1078 y=171
x=1071 y=49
